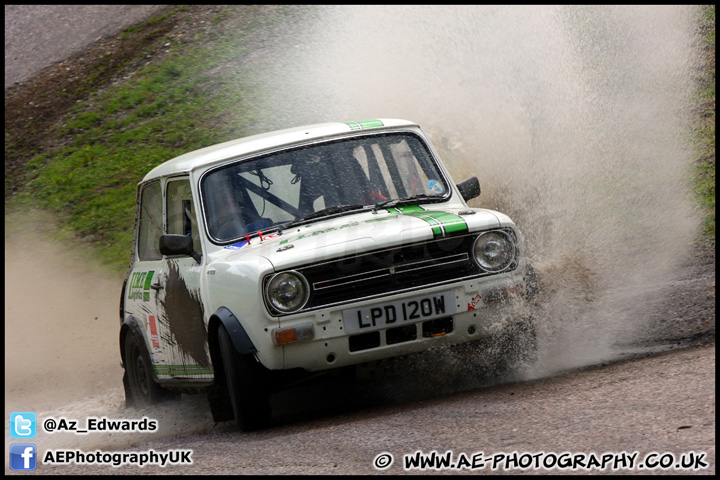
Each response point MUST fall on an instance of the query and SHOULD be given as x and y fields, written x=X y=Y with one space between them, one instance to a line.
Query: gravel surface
x=39 y=35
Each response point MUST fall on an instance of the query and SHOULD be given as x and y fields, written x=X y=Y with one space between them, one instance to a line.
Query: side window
x=181 y=211
x=150 y=224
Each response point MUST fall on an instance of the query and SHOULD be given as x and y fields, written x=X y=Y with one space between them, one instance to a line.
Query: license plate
x=401 y=312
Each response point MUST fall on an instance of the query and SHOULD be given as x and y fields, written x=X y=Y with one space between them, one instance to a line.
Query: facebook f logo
x=23 y=456
x=23 y=425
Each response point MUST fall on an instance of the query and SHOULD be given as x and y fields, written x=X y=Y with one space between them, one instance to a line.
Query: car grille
x=391 y=270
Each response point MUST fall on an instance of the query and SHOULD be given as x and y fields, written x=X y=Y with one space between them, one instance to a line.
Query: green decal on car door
x=139 y=287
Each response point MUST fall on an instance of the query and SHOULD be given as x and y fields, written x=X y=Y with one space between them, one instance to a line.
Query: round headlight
x=494 y=251
x=287 y=292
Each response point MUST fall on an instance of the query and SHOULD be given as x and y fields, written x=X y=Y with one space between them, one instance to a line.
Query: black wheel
x=518 y=347
x=245 y=380
x=531 y=281
x=140 y=387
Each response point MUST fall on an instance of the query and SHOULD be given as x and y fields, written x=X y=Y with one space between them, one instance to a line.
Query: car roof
x=222 y=152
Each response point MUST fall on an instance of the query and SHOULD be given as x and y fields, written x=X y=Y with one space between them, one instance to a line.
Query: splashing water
x=573 y=117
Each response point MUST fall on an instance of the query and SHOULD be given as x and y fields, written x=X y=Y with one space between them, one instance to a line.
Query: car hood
x=363 y=231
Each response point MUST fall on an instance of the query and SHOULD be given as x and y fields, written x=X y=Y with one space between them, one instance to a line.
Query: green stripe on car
x=183 y=370
x=442 y=223
x=360 y=124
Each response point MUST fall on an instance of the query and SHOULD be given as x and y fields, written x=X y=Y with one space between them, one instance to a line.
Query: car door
x=180 y=312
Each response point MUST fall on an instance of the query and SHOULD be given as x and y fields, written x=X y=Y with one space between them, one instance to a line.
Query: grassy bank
x=111 y=138
x=114 y=140
x=159 y=109
x=705 y=127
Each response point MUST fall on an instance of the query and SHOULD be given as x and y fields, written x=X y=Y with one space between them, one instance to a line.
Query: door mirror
x=469 y=188
x=178 y=245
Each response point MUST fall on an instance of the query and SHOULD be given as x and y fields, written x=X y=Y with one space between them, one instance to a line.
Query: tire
x=518 y=341
x=518 y=347
x=245 y=381
x=140 y=387
x=531 y=282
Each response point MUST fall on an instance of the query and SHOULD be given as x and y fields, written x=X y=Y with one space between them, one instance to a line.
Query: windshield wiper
x=393 y=202
x=325 y=212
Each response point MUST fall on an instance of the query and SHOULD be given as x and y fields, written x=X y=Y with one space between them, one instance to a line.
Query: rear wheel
x=140 y=387
x=245 y=380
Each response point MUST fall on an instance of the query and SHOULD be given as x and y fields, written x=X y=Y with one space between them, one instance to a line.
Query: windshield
x=256 y=194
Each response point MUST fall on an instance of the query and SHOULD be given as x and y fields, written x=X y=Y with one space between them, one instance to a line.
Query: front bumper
x=483 y=306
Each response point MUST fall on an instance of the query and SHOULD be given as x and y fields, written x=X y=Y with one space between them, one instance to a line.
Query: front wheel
x=505 y=356
x=140 y=387
x=245 y=380
x=517 y=346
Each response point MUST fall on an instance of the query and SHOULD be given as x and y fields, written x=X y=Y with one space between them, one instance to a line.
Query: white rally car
x=307 y=250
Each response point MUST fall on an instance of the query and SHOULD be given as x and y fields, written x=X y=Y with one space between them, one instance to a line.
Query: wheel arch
x=240 y=339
